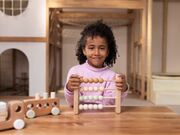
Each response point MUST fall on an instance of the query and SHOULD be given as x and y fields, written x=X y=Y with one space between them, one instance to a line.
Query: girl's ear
x=84 y=52
x=107 y=54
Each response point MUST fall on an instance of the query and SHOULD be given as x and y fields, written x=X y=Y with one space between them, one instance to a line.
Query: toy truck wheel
x=55 y=111
x=19 y=124
x=30 y=114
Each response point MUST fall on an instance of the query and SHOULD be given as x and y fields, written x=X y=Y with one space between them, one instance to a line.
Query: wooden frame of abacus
x=117 y=101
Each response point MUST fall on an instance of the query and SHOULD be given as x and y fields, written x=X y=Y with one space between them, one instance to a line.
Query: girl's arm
x=69 y=95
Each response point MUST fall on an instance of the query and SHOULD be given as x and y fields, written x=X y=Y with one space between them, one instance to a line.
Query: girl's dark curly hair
x=97 y=29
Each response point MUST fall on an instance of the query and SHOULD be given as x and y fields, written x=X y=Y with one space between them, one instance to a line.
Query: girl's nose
x=96 y=51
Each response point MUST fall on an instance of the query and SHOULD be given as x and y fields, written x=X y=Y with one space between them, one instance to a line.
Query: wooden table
x=132 y=121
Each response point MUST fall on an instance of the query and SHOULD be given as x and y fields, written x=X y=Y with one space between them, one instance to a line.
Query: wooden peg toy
x=42 y=106
x=15 y=116
x=77 y=98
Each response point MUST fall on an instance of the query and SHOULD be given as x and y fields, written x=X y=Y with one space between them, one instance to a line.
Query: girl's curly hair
x=97 y=28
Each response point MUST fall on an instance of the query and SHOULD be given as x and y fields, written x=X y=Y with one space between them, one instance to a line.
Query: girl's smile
x=96 y=51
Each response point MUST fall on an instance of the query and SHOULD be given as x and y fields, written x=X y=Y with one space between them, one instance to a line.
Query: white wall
x=70 y=38
x=36 y=54
x=157 y=37
x=121 y=40
x=32 y=22
x=173 y=38
x=173 y=41
x=72 y=35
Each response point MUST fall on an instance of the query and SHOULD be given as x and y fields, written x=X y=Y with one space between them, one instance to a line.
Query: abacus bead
x=96 y=80
x=90 y=80
x=81 y=98
x=85 y=106
x=90 y=88
x=85 y=97
x=90 y=97
x=80 y=107
x=100 y=97
x=85 y=88
x=95 y=97
x=95 y=106
x=85 y=80
x=100 y=106
x=90 y=106
x=95 y=88
x=101 y=88
x=101 y=80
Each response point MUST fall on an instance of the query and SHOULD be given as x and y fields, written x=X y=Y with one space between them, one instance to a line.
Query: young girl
x=96 y=52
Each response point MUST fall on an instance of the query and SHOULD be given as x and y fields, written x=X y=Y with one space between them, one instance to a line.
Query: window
x=13 y=7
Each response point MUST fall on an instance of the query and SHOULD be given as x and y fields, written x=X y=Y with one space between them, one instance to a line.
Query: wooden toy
x=42 y=106
x=78 y=98
x=15 y=116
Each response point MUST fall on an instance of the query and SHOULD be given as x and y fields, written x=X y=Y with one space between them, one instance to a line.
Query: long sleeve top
x=87 y=71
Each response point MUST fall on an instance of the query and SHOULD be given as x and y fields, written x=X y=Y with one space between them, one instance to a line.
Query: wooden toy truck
x=41 y=106
x=15 y=117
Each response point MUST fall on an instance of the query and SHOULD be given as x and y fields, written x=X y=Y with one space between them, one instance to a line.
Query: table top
x=133 y=120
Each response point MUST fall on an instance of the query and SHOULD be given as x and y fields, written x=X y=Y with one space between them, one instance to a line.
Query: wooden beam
x=124 y=4
x=47 y=50
x=149 y=48
x=107 y=15
x=128 y=55
x=169 y=0
x=143 y=49
x=138 y=43
x=22 y=39
x=164 y=35
x=133 y=57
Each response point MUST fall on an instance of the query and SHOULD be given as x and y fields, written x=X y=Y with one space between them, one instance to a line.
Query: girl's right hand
x=74 y=82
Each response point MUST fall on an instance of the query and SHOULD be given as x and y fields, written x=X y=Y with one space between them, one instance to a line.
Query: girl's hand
x=74 y=82
x=121 y=82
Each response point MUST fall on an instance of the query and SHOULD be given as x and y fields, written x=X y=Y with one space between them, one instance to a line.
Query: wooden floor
x=134 y=120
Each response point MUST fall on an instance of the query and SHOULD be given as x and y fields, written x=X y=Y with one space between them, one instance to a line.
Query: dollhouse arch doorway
x=13 y=76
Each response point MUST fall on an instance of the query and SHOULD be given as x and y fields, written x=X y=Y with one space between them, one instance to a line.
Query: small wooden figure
x=15 y=116
x=78 y=98
x=42 y=106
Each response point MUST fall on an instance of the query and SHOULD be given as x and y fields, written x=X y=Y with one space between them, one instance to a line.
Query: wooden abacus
x=15 y=116
x=42 y=106
x=78 y=98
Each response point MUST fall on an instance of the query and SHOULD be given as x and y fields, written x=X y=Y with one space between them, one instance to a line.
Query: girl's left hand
x=121 y=82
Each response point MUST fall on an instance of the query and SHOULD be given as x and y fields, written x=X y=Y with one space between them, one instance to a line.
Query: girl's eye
x=91 y=48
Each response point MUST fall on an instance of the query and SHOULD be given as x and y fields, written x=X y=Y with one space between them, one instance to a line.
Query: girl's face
x=96 y=51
